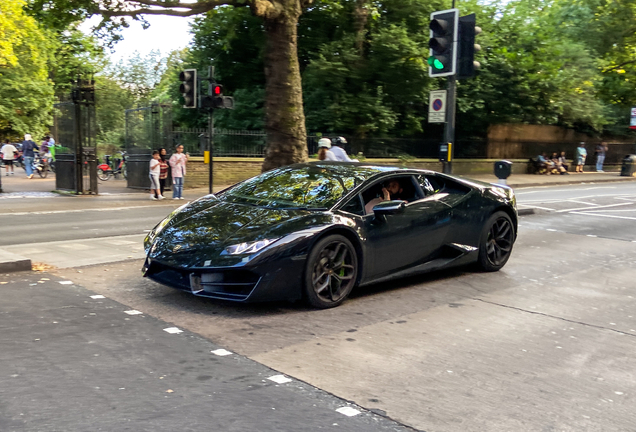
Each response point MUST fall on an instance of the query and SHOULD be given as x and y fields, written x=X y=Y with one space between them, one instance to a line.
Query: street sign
x=437 y=106
x=632 y=120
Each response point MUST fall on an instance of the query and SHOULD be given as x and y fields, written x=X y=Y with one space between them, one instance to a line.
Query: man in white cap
x=338 y=150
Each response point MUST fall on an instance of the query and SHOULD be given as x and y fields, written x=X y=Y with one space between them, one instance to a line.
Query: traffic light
x=443 y=42
x=188 y=87
x=467 y=47
x=215 y=98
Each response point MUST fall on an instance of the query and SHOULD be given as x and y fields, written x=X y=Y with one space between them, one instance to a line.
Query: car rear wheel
x=332 y=269
x=496 y=242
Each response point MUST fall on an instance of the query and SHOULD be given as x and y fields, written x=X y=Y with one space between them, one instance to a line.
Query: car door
x=408 y=238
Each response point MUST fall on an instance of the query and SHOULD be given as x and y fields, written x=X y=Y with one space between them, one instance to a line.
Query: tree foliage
x=26 y=92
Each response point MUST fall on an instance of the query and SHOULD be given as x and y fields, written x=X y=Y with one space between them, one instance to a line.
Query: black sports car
x=316 y=230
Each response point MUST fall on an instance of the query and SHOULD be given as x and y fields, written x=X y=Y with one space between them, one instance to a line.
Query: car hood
x=198 y=234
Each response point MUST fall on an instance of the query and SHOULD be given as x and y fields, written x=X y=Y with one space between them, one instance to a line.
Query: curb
x=526 y=212
x=573 y=182
x=10 y=262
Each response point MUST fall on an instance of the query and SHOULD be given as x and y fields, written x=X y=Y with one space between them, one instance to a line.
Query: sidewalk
x=20 y=186
x=75 y=361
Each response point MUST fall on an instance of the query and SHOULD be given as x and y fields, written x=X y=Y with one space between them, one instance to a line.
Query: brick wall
x=228 y=171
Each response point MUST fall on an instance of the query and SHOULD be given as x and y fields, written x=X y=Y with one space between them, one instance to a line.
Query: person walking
x=178 y=163
x=163 y=173
x=581 y=154
x=155 y=169
x=9 y=153
x=28 y=147
x=601 y=149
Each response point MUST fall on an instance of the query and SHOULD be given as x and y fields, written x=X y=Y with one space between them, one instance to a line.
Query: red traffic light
x=217 y=90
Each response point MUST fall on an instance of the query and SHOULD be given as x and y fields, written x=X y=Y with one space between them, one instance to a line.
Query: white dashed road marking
x=279 y=379
x=221 y=352
x=348 y=411
x=133 y=312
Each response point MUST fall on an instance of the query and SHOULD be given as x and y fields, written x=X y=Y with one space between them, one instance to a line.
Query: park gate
x=74 y=132
x=147 y=129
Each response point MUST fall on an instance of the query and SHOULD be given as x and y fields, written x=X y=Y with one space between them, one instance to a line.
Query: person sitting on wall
x=557 y=164
x=564 y=162
x=546 y=165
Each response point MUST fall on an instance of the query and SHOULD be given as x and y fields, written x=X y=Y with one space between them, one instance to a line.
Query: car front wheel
x=332 y=269
x=496 y=242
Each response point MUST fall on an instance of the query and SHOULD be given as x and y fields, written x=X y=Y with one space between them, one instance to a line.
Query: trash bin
x=629 y=166
x=503 y=169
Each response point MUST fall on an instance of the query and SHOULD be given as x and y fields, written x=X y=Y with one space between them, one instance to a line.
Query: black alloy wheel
x=332 y=269
x=496 y=242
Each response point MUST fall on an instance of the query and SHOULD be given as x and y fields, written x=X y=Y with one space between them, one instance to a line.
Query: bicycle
x=105 y=171
x=40 y=166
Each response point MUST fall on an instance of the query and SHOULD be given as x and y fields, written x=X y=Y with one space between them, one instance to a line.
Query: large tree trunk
x=285 y=126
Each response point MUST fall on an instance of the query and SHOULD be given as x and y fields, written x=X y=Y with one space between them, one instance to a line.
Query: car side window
x=407 y=190
x=429 y=184
x=354 y=206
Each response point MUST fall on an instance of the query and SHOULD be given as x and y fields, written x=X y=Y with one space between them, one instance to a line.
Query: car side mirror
x=389 y=208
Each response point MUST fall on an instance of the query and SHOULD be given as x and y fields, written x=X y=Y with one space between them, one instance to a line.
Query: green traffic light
x=435 y=63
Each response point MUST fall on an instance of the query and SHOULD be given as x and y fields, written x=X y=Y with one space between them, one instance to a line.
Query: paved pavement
x=73 y=360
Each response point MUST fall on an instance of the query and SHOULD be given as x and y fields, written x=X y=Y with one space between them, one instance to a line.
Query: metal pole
x=79 y=174
x=210 y=131
x=449 y=126
x=211 y=148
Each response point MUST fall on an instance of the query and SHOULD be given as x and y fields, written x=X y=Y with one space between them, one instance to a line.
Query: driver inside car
x=390 y=192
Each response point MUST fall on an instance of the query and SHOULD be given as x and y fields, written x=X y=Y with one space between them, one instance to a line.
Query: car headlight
x=248 y=248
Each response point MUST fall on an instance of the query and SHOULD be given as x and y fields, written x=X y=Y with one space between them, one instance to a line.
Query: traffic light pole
x=210 y=148
x=449 y=126
x=210 y=135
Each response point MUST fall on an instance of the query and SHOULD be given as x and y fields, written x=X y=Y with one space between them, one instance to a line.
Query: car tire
x=331 y=272
x=497 y=239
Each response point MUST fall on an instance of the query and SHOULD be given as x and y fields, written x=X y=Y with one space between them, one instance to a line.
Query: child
x=178 y=162
x=155 y=170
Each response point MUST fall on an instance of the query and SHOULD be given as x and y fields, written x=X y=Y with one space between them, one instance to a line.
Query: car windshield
x=309 y=187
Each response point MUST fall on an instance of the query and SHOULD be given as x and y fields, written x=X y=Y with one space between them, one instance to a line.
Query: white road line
x=553 y=200
x=609 y=211
x=85 y=210
x=582 y=202
x=605 y=215
x=587 y=208
x=564 y=190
